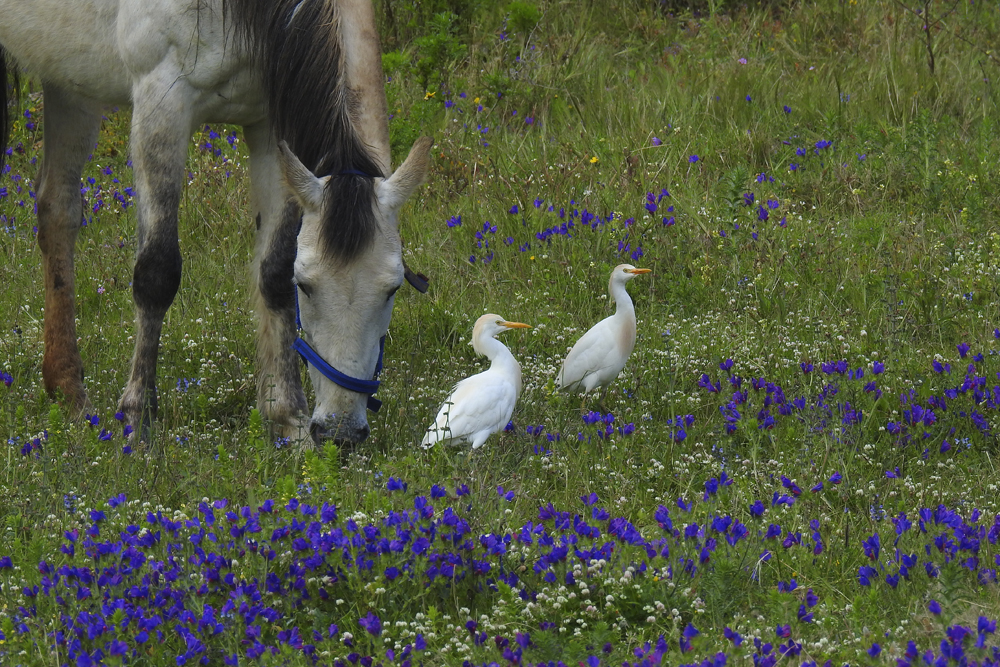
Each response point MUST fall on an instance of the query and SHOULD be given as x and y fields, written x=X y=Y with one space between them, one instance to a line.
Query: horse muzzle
x=345 y=430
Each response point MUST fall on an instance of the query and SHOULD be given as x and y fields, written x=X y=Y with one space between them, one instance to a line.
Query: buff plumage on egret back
x=600 y=354
x=482 y=404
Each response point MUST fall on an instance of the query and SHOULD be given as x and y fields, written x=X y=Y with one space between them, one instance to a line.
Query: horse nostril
x=350 y=435
x=342 y=432
x=317 y=432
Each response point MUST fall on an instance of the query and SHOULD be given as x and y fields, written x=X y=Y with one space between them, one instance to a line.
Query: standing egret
x=482 y=404
x=600 y=354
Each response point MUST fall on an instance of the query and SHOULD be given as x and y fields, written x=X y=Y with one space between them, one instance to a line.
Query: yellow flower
x=593 y=160
x=475 y=101
x=428 y=95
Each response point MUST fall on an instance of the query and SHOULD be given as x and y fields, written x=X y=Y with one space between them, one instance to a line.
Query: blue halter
x=353 y=172
x=311 y=356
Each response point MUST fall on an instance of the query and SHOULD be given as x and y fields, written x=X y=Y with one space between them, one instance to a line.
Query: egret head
x=624 y=273
x=488 y=326
x=345 y=299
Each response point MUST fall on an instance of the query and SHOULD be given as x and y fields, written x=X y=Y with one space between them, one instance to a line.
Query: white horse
x=305 y=72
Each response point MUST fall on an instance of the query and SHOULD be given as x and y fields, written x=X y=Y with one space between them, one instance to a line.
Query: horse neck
x=364 y=77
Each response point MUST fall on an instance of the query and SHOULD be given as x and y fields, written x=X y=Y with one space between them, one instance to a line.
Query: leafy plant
x=522 y=17
x=437 y=50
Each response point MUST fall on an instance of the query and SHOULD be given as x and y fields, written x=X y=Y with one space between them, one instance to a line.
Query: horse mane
x=295 y=47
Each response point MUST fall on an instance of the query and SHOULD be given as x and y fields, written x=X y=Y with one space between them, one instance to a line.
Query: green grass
x=892 y=258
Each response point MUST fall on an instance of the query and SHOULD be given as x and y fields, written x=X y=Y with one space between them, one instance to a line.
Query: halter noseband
x=311 y=356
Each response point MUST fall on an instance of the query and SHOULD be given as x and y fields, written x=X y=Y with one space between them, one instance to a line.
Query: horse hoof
x=294 y=431
x=73 y=399
x=139 y=417
x=80 y=408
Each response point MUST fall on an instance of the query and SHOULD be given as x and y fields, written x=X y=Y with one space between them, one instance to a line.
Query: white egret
x=482 y=404
x=600 y=354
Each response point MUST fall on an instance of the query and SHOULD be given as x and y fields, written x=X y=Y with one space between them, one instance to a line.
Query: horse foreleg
x=161 y=125
x=280 y=397
x=70 y=134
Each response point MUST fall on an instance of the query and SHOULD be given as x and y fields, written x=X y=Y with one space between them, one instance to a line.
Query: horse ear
x=404 y=181
x=306 y=188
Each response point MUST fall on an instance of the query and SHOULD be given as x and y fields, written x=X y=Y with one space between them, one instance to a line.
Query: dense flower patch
x=948 y=407
x=242 y=585
x=421 y=576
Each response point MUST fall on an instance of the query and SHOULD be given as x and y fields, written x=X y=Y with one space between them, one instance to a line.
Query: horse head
x=345 y=302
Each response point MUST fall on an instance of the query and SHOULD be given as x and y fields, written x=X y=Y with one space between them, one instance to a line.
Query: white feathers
x=600 y=354
x=482 y=404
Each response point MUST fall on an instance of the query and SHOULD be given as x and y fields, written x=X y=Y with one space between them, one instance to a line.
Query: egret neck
x=500 y=357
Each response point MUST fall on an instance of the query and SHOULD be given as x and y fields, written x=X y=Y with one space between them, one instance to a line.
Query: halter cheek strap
x=311 y=356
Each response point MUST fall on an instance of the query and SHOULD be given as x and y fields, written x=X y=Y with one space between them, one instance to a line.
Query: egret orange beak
x=516 y=325
x=638 y=271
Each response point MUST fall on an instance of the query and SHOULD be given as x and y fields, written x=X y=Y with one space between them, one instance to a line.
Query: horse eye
x=305 y=288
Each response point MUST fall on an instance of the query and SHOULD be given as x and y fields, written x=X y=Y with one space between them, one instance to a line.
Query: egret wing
x=481 y=402
x=594 y=352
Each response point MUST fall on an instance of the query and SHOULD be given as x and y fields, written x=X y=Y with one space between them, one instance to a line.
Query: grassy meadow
x=797 y=466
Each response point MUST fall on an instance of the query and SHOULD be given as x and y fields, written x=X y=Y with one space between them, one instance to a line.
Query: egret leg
x=439 y=451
